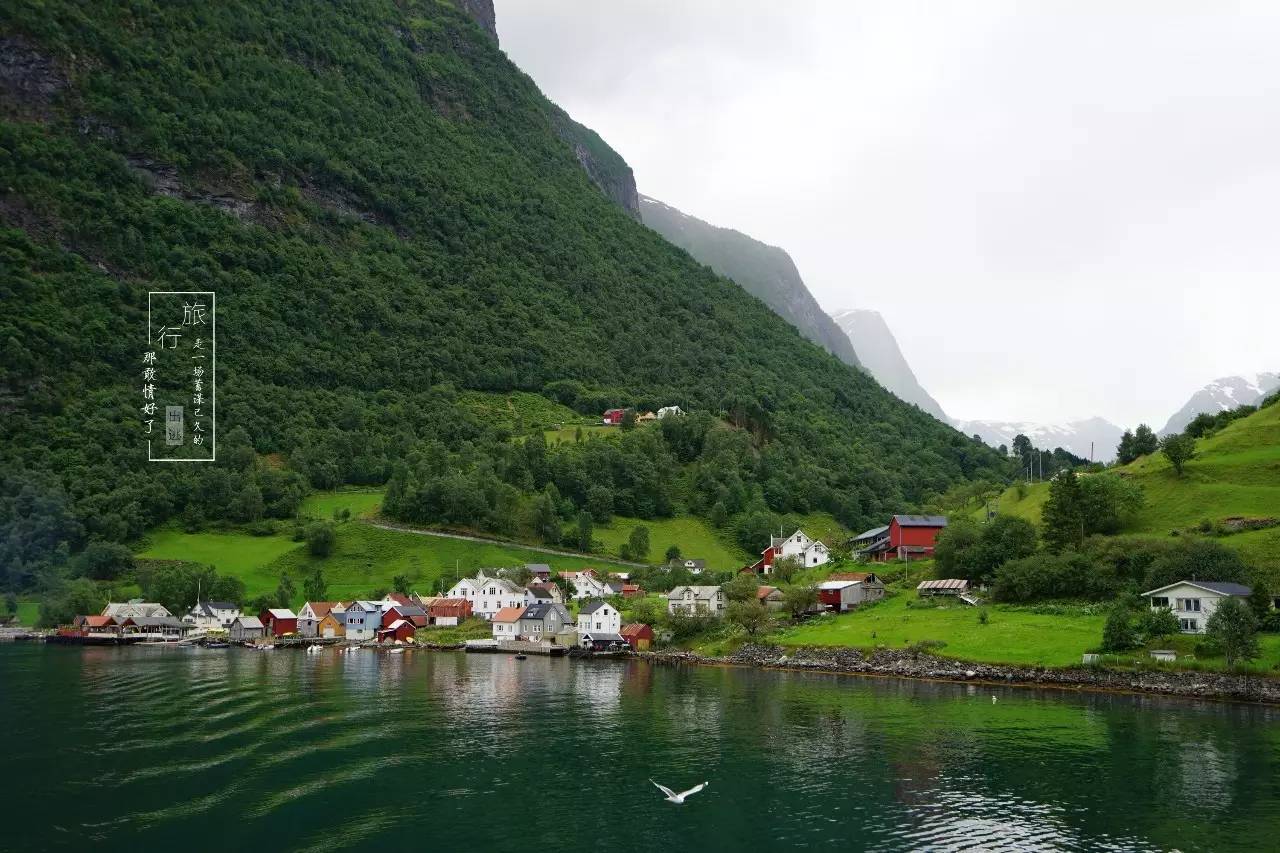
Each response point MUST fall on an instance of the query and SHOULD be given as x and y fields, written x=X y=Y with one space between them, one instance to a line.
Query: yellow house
x=331 y=626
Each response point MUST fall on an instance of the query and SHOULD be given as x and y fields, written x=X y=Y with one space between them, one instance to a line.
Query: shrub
x=320 y=539
x=1118 y=633
x=1067 y=575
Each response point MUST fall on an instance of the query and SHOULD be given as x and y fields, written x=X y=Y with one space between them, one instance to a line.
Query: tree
x=518 y=575
x=673 y=553
x=314 y=587
x=786 y=568
x=751 y=616
x=285 y=591
x=1124 y=450
x=645 y=609
x=1063 y=516
x=584 y=531
x=11 y=602
x=1260 y=599
x=1179 y=450
x=600 y=503
x=628 y=420
x=742 y=588
x=639 y=542
x=1145 y=441
x=1158 y=623
x=103 y=561
x=1118 y=633
x=545 y=519
x=400 y=583
x=320 y=538
x=800 y=598
x=1234 y=627
x=1021 y=446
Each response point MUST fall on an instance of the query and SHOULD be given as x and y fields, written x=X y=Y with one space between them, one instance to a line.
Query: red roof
x=637 y=630
x=96 y=621
x=763 y=592
x=459 y=607
x=399 y=598
x=508 y=614
x=632 y=589
x=322 y=608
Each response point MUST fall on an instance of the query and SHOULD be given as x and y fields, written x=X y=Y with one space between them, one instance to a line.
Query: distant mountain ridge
x=1073 y=436
x=766 y=272
x=879 y=353
x=1227 y=392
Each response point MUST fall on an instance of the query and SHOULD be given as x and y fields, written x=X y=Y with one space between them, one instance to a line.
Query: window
x=1189 y=605
x=1159 y=602
x=1189 y=624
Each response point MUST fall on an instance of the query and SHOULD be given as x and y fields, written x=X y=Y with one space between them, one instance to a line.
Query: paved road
x=509 y=544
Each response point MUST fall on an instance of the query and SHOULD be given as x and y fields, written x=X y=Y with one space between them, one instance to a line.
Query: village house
x=543 y=621
x=97 y=626
x=771 y=597
x=645 y=417
x=846 y=590
x=363 y=619
x=506 y=623
x=587 y=584
x=311 y=613
x=448 y=611
x=806 y=552
x=905 y=537
x=488 y=595
x=692 y=566
x=706 y=600
x=1193 y=602
x=396 y=598
x=332 y=625
x=536 y=592
x=612 y=417
x=631 y=590
x=638 y=636
x=278 y=621
x=211 y=615
x=541 y=571
x=165 y=627
x=601 y=641
x=669 y=412
x=399 y=631
x=134 y=607
x=599 y=616
x=245 y=628
x=412 y=613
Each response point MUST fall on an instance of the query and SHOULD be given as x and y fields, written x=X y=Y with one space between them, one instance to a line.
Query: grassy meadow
x=694 y=536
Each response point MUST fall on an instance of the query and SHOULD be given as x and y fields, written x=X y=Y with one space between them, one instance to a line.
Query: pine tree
x=1124 y=451
x=1063 y=516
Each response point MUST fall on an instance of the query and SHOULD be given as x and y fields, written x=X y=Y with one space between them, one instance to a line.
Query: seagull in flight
x=678 y=799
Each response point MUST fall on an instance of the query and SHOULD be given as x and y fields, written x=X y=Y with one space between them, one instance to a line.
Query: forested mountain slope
x=387 y=214
x=878 y=352
x=764 y=271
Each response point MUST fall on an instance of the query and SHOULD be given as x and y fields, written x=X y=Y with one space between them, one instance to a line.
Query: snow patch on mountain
x=1227 y=392
x=1094 y=438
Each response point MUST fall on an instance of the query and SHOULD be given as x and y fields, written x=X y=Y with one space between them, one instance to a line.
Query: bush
x=1158 y=623
x=320 y=539
x=103 y=561
x=1118 y=633
x=1066 y=575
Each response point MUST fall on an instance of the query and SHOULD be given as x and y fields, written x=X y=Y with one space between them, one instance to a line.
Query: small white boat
x=396 y=652
x=311 y=650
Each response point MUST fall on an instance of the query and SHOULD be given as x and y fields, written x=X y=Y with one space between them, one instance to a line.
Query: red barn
x=638 y=636
x=397 y=632
x=908 y=537
x=612 y=417
x=412 y=613
x=277 y=621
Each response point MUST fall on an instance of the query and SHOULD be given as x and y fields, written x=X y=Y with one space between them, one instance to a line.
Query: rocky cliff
x=481 y=11
x=879 y=353
x=604 y=166
x=764 y=271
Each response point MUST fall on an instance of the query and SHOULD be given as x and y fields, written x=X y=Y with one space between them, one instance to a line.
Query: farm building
x=612 y=417
x=331 y=625
x=399 y=631
x=278 y=621
x=905 y=537
x=246 y=628
x=771 y=597
x=798 y=546
x=448 y=611
x=947 y=586
x=412 y=613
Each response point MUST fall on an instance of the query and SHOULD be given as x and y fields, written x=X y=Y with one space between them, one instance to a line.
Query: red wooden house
x=413 y=613
x=277 y=621
x=398 y=631
x=638 y=636
x=907 y=537
x=612 y=417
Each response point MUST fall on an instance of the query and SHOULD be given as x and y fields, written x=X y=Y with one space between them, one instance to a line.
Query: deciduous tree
x=1234 y=627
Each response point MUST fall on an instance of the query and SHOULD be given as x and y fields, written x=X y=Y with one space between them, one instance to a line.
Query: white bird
x=678 y=799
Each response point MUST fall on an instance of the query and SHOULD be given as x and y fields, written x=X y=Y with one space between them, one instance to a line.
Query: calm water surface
x=222 y=749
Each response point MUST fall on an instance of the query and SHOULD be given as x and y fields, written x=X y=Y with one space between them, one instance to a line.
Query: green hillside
x=1235 y=474
x=392 y=225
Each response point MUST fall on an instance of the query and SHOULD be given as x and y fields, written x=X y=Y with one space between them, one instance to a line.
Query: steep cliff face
x=764 y=271
x=481 y=11
x=604 y=166
x=879 y=353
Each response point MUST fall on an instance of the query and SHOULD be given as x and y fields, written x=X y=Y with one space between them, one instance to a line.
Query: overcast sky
x=1061 y=210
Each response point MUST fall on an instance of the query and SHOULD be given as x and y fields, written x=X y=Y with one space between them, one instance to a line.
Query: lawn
x=694 y=537
x=232 y=553
x=28 y=612
x=361 y=503
x=1012 y=635
x=569 y=434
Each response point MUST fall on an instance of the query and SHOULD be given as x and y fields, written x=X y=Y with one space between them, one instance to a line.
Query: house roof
x=837 y=584
x=397 y=597
x=98 y=621
x=248 y=622
x=281 y=613
x=698 y=591
x=615 y=586
x=155 y=622
x=872 y=533
x=1220 y=587
x=396 y=625
x=206 y=608
x=921 y=520
x=539 y=591
x=321 y=608
x=764 y=592
x=635 y=629
x=592 y=607
x=631 y=587
x=603 y=637
x=509 y=614
x=538 y=568
x=946 y=583
x=410 y=609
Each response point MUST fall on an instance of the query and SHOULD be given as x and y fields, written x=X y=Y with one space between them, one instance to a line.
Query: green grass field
x=361 y=503
x=1010 y=636
x=1235 y=473
x=569 y=434
x=232 y=553
x=28 y=612
x=695 y=538
x=522 y=412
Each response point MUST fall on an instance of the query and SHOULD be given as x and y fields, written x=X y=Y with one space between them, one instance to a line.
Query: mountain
x=1229 y=392
x=1074 y=436
x=391 y=221
x=764 y=271
x=878 y=352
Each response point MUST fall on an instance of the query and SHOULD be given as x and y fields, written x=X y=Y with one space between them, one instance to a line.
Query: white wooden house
x=212 y=615
x=1193 y=602
x=599 y=616
x=706 y=600
x=488 y=595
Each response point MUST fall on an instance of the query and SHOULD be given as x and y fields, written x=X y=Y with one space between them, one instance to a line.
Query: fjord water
x=223 y=749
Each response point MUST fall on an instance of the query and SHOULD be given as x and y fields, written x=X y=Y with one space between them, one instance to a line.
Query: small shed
x=946 y=586
x=638 y=636
x=600 y=641
x=398 y=631
x=278 y=621
x=246 y=628
x=331 y=626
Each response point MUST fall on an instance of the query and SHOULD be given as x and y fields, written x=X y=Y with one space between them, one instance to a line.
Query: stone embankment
x=905 y=663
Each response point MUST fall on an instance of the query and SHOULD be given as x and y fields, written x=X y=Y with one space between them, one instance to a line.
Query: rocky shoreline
x=903 y=663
